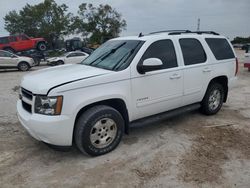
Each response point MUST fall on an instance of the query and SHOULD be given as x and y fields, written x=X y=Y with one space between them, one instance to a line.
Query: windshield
x=114 y=55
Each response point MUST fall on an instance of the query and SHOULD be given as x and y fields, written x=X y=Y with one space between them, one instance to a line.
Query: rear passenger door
x=159 y=90
x=196 y=70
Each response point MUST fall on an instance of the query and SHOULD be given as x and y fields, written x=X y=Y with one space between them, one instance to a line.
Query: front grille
x=26 y=106
x=27 y=94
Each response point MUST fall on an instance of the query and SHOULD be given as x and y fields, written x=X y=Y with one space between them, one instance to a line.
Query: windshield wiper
x=120 y=62
x=104 y=56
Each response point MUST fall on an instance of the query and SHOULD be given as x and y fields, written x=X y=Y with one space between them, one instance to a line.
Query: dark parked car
x=73 y=44
x=36 y=55
x=87 y=50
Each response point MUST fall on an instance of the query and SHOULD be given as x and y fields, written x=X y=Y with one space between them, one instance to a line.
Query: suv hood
x=39 y=82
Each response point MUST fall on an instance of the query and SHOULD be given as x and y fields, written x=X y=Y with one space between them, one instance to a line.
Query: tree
x=46 y=19
x=102 y=22
x=241 y=40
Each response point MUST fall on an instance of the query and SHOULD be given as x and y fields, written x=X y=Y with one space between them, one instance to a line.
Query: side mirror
x=149 y=64
x=13 y=56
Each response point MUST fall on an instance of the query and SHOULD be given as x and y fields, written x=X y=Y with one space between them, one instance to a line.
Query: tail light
x=236 y=66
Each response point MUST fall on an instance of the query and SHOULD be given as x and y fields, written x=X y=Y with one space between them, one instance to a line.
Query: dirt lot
x=191 y=150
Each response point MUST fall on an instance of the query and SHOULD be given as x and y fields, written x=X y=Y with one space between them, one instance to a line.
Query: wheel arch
x=116 y=103
x=39 y=42
x=23 y=62
x=223 y=80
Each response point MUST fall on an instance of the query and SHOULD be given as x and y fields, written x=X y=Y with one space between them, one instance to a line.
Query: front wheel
x=60 y=62
x=23 y=66
x=99 y=130
x=213 y=99
x=41 y=46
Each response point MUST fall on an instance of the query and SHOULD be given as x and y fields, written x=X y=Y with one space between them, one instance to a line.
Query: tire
x=60 y=62
x=23 y=66
x=99 y=130
x=41 y=46
x=213 y=99
x=11 y=50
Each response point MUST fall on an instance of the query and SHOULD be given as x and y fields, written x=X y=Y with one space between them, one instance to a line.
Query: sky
x=230 y=18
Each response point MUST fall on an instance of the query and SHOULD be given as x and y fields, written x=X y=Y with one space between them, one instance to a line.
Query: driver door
x=159 y=90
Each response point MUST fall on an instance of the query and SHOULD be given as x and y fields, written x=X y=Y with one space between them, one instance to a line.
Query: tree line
x=241 y=40
x=53 y=21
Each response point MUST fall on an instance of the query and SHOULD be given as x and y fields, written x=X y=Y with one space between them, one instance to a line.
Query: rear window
x=193 y=52
x=220 y=48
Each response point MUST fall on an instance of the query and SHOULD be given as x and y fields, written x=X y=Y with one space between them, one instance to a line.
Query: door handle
x=207 y=70
x=175 y=76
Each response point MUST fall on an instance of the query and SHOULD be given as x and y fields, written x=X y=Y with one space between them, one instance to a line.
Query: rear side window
x=164 y=50
x=72 y=55
x=220 y=48
x=4 y=40
x=193 y=52
x=12 y=39
x=79 y=54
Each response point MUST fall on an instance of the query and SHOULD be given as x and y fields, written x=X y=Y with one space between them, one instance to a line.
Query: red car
x=18 y=43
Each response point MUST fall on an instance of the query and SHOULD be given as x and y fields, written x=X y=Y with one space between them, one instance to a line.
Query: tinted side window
x=72 y=55
x=23 y=37
x=193 y=52
x=164 y=50
x=220 y=48
x=4 y=40
x=4 y=54
x=80 y=54
x=12 y=39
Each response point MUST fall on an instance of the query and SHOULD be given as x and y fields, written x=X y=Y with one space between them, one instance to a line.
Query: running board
x=163 y=116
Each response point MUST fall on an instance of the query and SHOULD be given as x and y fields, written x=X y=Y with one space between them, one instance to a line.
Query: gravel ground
x=191 y=150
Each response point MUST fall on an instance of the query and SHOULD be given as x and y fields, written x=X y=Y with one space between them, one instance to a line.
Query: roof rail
x=168 y=31
x=197 y=32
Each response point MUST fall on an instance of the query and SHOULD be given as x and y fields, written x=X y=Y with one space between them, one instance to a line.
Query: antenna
x=198 y=24
x=140 y=35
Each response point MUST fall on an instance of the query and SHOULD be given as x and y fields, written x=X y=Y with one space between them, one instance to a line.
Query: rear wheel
x=213 y=99
x=23 y=66
x=99 y=130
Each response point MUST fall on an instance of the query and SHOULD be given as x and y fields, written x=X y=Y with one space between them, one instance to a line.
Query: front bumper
x=55 y=130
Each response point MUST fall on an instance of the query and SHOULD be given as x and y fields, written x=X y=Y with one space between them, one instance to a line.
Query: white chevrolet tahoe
x=126 y=80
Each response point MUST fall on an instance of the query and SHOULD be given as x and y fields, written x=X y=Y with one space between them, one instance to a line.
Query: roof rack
x=197 y=32
x=168 y=31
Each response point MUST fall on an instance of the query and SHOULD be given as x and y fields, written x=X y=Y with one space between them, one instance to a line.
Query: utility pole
x=198 y=24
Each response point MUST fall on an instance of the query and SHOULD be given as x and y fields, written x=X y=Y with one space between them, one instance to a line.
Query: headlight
x=48 y=105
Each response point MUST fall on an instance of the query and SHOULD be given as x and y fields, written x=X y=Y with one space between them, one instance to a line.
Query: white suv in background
x=9 y=60
x=124 y=81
